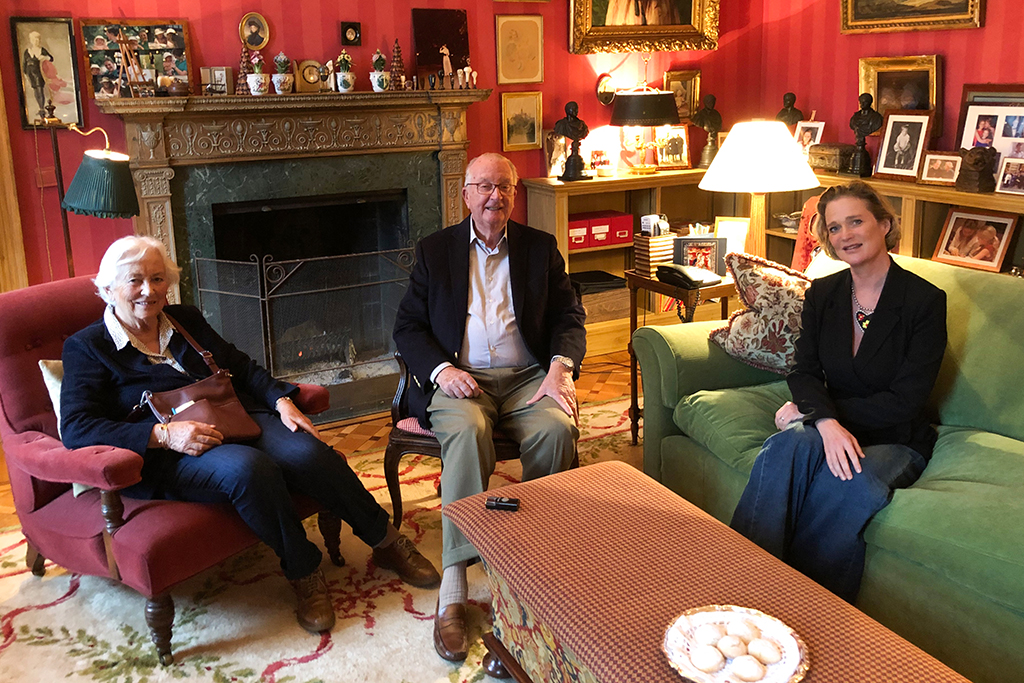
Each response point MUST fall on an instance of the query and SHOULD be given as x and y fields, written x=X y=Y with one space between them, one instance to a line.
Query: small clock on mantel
x=307 y=76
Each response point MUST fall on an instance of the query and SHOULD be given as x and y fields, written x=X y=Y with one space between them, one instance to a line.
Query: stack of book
x=648 y=252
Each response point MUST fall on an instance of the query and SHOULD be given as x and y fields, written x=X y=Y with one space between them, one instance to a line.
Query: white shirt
x=492 y=338
x=122 y=338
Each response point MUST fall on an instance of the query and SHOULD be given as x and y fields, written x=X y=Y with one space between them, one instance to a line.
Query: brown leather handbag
x=211 y=400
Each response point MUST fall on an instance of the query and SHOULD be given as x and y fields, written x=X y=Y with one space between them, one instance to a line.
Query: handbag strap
x=207 y=356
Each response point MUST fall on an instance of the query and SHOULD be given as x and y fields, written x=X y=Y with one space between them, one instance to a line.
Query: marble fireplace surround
x=283 y=131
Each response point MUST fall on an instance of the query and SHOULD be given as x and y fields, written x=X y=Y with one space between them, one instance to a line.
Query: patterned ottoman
x=598 y=561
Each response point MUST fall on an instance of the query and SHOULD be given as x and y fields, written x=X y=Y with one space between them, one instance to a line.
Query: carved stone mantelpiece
x=178 y=131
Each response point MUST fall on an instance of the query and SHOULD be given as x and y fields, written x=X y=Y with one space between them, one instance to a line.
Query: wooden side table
x=689 y=299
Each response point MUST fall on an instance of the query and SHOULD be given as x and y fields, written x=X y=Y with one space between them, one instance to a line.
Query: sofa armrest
x=312 y=399
x=678 y=360
x=44 y=457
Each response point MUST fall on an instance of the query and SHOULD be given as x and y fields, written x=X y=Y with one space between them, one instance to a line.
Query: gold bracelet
x=283 y=398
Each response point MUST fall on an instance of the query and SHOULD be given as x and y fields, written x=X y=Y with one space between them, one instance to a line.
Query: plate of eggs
x=730 y=644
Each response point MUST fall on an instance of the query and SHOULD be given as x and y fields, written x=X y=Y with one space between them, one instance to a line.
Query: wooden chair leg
x=392 y=457
x=330 y=529
x=159 y=617
x=34 y=560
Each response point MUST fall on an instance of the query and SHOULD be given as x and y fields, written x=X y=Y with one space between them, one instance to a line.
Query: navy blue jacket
x=879 y=395
x=431 y=320
x=101 y=384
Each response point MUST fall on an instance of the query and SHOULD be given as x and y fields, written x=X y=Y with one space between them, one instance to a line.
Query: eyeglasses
x=487 y=188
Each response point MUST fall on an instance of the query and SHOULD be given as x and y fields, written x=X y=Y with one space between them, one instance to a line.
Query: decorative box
x=831 y=156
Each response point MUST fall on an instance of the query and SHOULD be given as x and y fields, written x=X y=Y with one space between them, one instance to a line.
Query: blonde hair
x=124 y=253
x=879 y=207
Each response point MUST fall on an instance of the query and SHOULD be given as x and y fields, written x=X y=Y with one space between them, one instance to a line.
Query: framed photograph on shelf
x=702 y=251
x=685 y=88
x=519 y=40
x=987 y=93
x=520 y=121
x=940 y=168
x=870 y=16
x=904 y=83
x=160 y=47
x=46 y=68
x=734 y=229
x=630 y=26
x=904 y=138
x=672 y=147
x=555 y=151
x=808 y=133
x=999 y=126
x=975 y=238
x=1011 y=176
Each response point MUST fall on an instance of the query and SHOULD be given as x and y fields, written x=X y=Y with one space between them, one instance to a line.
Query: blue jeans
x=257 y=478
x=796 y=509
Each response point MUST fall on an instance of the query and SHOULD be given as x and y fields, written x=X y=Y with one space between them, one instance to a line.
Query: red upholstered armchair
x=147 y=545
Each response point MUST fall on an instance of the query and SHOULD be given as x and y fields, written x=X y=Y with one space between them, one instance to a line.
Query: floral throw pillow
x=764 y=334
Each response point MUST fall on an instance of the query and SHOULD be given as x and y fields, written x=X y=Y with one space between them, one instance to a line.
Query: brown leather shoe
x=403 y=558
x=314 y=610
x=450 y=637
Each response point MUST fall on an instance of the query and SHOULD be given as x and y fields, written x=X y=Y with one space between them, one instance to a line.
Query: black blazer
x=101 y=384
x=431 y=320
x=879 y=395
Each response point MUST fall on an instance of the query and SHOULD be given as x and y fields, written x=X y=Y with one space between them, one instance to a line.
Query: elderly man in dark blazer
x=493 y=335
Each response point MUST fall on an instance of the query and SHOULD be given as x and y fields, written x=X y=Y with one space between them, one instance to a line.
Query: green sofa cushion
x=963 y=518
x=732 y=423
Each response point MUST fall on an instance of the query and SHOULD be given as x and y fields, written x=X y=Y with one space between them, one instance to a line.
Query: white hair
x=121 y=255
x=493 y=156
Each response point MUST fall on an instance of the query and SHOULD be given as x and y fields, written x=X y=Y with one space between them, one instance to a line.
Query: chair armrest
x=44 y=457
x=312 y=399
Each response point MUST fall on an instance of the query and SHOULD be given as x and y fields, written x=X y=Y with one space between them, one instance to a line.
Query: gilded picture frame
x=873 y=16
x=685 y=88
x=611 y=25
x=254 y=31
x=521 y=121
x=904 y=83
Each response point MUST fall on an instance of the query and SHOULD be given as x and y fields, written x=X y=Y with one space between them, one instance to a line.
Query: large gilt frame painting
x=642 y=25
x=888 y=16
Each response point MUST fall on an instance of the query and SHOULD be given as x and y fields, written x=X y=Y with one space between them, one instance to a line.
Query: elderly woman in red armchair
x=134 y=348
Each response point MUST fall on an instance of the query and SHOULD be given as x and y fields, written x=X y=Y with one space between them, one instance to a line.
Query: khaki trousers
x=464 y=427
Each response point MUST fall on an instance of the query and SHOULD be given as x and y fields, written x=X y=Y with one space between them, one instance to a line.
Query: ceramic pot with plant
x=379 y=78
x=283 y=81
x=259 y=82
x=346 y=79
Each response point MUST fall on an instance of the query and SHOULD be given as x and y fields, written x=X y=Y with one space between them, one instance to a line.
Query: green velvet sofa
x=945 y=559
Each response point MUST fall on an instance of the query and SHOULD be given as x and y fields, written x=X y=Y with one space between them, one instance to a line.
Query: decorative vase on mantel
x=345 y=78
x=379 y=78
x=283 y=81
x=259 y=82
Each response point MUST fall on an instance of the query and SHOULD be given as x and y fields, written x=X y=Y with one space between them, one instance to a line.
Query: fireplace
x=293 y=218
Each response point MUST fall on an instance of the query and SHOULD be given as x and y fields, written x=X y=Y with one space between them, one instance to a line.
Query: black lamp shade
x=644 y=108
x=103 y=187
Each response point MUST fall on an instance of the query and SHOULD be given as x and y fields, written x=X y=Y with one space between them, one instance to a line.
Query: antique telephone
x=687 y=277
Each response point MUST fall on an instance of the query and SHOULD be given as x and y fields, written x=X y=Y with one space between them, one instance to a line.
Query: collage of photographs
x=157 y=54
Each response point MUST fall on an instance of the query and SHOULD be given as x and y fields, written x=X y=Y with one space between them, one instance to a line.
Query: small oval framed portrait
x=254 y=31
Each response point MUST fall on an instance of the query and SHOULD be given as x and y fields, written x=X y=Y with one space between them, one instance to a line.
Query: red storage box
x=611 y=227
x=579 y=231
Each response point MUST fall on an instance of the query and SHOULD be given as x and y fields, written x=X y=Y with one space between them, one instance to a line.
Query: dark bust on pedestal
x=863 y=123
x=789 y=114
x=573 y=128
x=708 y=118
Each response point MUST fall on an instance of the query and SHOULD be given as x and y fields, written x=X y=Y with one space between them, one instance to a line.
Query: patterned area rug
x=236 y=622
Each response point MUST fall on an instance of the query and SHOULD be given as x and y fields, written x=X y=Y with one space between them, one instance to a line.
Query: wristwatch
x=564 y=360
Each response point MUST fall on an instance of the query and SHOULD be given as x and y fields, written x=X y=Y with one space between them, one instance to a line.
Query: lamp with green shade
x=759 y=157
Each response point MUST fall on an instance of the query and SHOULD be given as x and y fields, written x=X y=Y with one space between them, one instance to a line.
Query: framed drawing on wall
x=648 y=26
x=904 y=83
x=46 y=68
x=975 y=238
x=871 y=16
x=904 y=138
x=519 y=40
x=685 y=88
x=160 y=46
x=520 y=121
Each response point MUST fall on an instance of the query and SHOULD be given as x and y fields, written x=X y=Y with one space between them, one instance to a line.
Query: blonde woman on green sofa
x=869 y=351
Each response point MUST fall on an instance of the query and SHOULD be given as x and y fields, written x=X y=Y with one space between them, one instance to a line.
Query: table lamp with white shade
x=759 y=157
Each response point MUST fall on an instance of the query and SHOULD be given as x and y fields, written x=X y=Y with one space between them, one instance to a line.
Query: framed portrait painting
x=875 y=16
x=685 y=88
x=975 y=238
x=47 y=69
x=254 y=31
x=940 y=169
x=520 y=121
x=519 y=41
x=904 y=138
x=642 y=25
x=904 y=83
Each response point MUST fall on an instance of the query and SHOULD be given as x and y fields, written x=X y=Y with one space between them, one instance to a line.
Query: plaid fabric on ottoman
x=606 y=558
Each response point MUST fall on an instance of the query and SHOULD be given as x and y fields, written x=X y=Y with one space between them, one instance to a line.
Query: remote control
x=501 y=503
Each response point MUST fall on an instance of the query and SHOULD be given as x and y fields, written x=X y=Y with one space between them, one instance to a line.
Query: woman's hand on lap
x=294 y=419
x=786 y=414
x=192 y=438
x=841 y=448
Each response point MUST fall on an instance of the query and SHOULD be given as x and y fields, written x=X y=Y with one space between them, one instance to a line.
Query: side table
x=689 y=299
